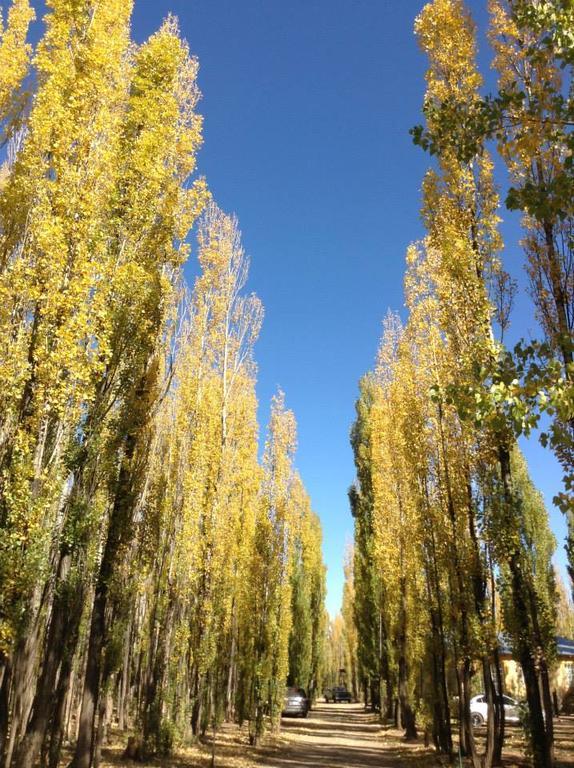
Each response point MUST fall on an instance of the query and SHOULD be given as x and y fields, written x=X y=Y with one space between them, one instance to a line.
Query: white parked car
x=479 y=710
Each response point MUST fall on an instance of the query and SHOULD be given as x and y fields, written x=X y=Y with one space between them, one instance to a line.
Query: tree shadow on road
x=342 y=736
x=346 y=757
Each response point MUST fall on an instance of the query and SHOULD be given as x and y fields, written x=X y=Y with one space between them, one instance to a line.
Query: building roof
x=564 y=646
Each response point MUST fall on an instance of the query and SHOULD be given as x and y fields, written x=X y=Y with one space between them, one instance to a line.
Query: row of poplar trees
x=155 y=575
x=452 y=540
x=341 y=662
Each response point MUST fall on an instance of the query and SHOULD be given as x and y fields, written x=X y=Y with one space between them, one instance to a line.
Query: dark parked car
x=295 y=703
x=339 y=693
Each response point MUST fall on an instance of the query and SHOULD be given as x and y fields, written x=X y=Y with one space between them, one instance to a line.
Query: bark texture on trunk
x=4 y=705
x=406 y=711
x=21 y=693
x=530 y=651
x=61 y=642
x=118 y=535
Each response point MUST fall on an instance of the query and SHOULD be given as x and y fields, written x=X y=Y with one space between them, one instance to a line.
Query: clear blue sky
x=307 y=107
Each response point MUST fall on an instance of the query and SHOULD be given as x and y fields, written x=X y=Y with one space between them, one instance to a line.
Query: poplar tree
x=15 y=53
x=150 y=568
x=396 y=534
x=307 y=596
x=531 y=119
x=435 y=442
x=207 y=485
x=163 y=95
x=464 y=199
x=350 y=638
x=373 y=652
x=265 y=662
x=222 y=476
x=52 y=262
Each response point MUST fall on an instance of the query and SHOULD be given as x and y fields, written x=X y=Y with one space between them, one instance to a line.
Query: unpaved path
x=333 y=736
x=340 y=736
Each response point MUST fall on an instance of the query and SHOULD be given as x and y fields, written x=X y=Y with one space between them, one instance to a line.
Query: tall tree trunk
x=83 y=755
x=407 y=714
x=197 y=694
x=493 y=714
x=389 y=699
x=63 y=701
x=442 y=729
x=101 y=736
x=563 y=342
x=23 y=674
x=464 y=664
x=495 y=708
x=118 y=534
x=442 y=732
x=152 y=709
x=499 y=703
x=374 y=690
x=62 y=633
x=541 y=736
x=232 y=669
x=555 y=277
x=124 y=681
x=468 y=744
x=5 y=677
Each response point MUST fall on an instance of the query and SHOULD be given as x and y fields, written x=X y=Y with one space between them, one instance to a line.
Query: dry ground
x=342 y=736
x=335 y=736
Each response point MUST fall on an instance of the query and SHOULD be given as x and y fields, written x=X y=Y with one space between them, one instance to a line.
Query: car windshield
x=295 y=692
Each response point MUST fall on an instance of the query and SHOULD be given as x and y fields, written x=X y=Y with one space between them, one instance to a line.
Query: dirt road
x=333 y=736
x=340 y=736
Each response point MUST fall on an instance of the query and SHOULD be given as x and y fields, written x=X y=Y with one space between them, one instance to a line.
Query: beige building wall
x=561 y=679
x=513 y=679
